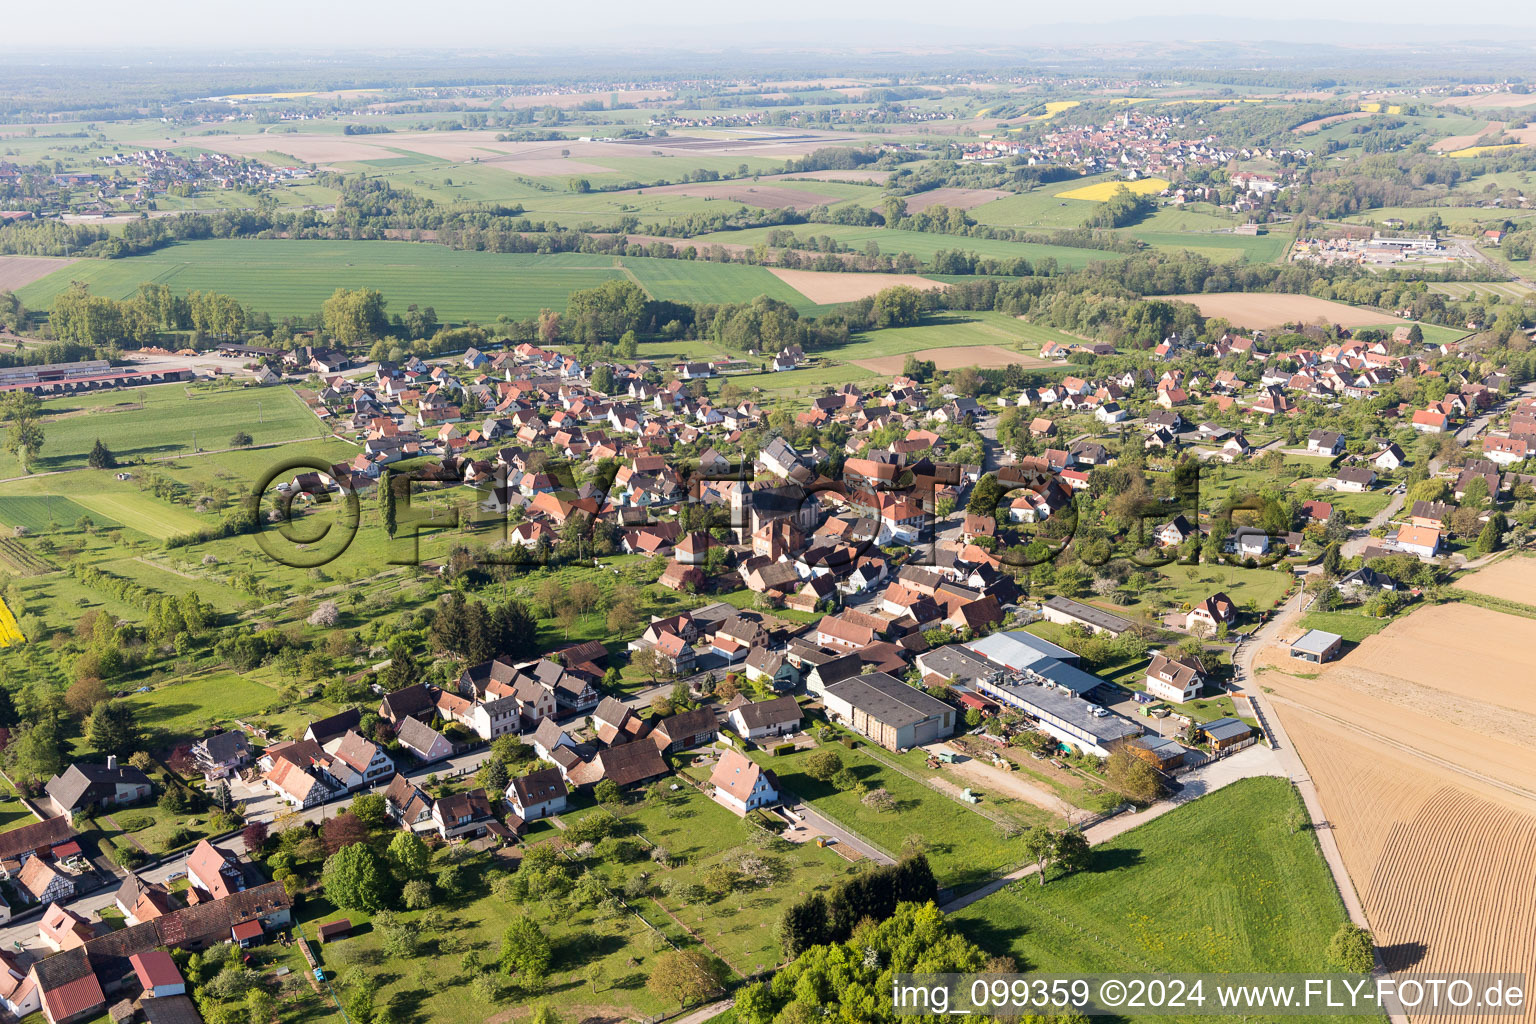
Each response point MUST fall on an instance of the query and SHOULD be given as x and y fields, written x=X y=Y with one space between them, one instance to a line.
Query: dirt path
x=126 y=834
x=1010 y=784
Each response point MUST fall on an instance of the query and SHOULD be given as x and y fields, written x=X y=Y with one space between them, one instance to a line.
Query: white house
x=741 y=784
x=537 y=794
x=778 y=717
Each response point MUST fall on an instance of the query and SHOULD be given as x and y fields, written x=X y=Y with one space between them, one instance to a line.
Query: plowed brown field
x=1422 y=745
x=1513 y=579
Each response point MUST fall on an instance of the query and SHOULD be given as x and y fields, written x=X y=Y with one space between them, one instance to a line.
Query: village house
x=1211 y=614
x=82 y=788
x=742 y=785
x=537 y=795
x=1172 y=678
x=780 y=716
x=888 y=711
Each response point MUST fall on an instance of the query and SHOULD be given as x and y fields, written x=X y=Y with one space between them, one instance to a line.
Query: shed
x=333 y=930
x=246 y=932
x=1317 y=646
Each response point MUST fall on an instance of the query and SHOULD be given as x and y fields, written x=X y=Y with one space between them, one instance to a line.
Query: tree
x=526 y=953
x=354 y=316
x=686 y=975
x=387 y=502
x=823 y=764
x=360 y=996
x=24 y=435
x=985 y=496
x=346 y=829
x=408 y=856
x=260 y=1006
x=1072 y=850
x=1351 y=949
x=101 y=457
x=254 y=837
x=1040 y=847
x=753 y=1004
x=1492 y=535
x=608 y=792
x=1133 y=776
x=111 y=728
x=355 y=879
x=1332 y=560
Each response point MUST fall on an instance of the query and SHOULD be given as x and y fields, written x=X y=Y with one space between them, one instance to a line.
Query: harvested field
x=983 y=357
x=768 y=197
x=1424 y=771
x=1323 y=122
x=1446 y=873
x=860 y=174
x=1257 y=311
x=1513 y=579
x=1451 y=142
x=954 y=198
x=829 y=286
x=1490 y=99
x=16 y=271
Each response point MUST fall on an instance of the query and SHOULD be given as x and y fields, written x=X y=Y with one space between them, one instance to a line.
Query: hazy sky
x=233 y=25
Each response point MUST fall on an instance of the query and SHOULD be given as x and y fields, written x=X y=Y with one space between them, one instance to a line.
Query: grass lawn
x=164 y=420
x=435 y=988
x=949 y=330
x=12 y=813
x=1220 y=884
x=1352 y=626
x=149 y=829
x=699 y=834
x=187 y=707
x=964 y=848
x=1221 y=248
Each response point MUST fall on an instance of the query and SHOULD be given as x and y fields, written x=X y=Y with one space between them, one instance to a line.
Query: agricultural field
x=1255 y=896
x=702 y=281
x=44 y=514
x=1512 y=579
x=949 y=330
x=1507 y=291
x=1216 y=246
x=1044 y=207
x=1102 y=191
x=920 y=244
x=293 y=278
x=17 y=272
x=152 y=422
x=833 y=286
x=1442 y=859
x=1267 y=311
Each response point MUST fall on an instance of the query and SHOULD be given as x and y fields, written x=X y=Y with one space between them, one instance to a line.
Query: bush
x=783 y=748
x=417 y=894
x=1351 y=949
x=127 y=857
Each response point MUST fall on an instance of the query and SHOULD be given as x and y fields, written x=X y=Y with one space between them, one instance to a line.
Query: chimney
x=111 y=761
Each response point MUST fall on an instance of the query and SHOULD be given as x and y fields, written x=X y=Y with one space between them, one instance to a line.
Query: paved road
x=1358 y=539
x=819 y=822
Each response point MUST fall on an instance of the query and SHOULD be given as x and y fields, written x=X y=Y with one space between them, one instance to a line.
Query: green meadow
x=148 y=422
x=1221 y=884
x=293 y=278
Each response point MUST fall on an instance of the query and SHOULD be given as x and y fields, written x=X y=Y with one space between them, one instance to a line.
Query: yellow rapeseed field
x=10 y=633
x=1101 y=192
x=1481 y=150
